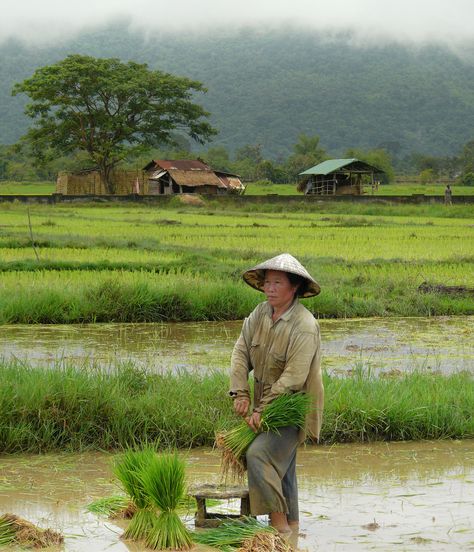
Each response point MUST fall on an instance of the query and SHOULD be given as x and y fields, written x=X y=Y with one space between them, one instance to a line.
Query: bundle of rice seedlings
x=163 y=480
x=116 y=506
x=7 y=533
x=15 y=530
x=129 y=470
x=285 y=410
x=265 y=542
x=232 y=534
x=122 y=507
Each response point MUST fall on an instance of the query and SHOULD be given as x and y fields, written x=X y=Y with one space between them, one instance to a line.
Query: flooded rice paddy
x=444 y=344
x=382 y=496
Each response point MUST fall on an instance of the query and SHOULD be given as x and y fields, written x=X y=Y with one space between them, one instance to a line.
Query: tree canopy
x=108 y=109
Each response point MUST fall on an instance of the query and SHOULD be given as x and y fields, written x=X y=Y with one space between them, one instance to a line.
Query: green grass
x=265 y=188
x=133 y=263
x=66 y=409
x=8 y=187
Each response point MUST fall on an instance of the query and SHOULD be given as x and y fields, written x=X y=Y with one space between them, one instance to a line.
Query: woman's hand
x=241 y=406
x=254 y=421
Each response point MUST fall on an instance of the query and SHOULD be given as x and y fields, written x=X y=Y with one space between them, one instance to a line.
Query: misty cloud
x=368 y=20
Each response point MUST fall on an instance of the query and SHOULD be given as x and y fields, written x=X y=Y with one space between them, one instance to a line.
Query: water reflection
x=443 y=344
x=382 y=496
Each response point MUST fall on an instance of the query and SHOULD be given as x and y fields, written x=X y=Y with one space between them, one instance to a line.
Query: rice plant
x=112 y=506
x=370 y=259
x=285 y=410
x=230 y=535
x=7 y=531
x=21 y=532
x=164 y=482
x=129 y=470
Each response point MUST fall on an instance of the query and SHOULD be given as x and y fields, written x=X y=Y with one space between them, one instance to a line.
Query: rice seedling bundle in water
x=129 y=469
x=7 y=532
x=232 y=534
x=113 y=506
x=265 y=542
x=164 y=483
x=15 y=530
x=285 y=410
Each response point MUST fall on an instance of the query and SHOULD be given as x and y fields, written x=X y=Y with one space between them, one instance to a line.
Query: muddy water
x=443 y=344
x=397 y=496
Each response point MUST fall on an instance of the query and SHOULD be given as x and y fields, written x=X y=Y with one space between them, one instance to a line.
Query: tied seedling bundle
x=17 y=531
x=285 y=410
x=243 y=535
x=129 y=469
x=164 y=482
x=113 y=507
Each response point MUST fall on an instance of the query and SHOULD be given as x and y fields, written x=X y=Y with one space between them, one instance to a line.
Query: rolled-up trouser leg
x=269 y=458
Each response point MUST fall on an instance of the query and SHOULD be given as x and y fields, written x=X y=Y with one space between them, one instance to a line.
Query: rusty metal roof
x=178 y=164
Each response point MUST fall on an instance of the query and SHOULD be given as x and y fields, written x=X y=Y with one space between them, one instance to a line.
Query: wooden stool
x=203 y=518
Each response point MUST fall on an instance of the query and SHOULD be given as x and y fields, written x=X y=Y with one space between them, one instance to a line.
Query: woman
x=280 y=342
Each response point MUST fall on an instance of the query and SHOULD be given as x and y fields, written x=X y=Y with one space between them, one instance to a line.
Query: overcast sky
x=372 y=20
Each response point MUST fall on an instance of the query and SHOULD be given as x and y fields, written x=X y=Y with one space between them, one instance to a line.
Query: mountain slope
x=268 y=87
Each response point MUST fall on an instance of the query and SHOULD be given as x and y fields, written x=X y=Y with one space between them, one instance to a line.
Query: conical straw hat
x=286 y=263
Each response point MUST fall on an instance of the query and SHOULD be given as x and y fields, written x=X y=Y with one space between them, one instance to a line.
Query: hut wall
x=91 y=183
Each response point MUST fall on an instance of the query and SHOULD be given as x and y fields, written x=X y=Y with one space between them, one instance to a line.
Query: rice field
x=131 y=262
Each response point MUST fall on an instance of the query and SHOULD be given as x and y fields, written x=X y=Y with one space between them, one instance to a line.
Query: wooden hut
x=188 y=176
x=339 y=176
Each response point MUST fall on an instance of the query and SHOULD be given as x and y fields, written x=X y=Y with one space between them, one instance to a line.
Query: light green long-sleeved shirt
x=284 y=355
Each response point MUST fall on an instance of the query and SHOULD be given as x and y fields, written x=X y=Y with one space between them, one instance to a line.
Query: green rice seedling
x=129 y=469
x=232 y=534
x=19 y=531
x=163 y=481
x=7 y=531
x=285 y=410
x=112 y=506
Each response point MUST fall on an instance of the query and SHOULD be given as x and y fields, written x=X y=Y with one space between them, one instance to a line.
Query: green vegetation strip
x=66 y=409
x=143 y=263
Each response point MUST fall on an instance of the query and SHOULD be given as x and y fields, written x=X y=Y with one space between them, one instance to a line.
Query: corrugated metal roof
x=332 y=165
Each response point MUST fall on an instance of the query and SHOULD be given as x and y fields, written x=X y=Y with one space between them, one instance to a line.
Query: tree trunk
x=106 y=174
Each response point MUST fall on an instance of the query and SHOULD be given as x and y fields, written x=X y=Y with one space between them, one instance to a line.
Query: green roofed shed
x=338 y=176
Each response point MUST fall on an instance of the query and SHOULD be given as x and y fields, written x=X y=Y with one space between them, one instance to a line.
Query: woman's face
x=278 y=288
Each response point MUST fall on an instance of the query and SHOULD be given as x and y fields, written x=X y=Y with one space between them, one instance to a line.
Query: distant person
x=448 y=195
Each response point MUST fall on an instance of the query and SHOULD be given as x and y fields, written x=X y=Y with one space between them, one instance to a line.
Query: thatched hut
x=339 y=176
x=91 y=182
x=188 y=176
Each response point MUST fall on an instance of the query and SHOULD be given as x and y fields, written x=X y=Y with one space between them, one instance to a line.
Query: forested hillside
x=268 y=87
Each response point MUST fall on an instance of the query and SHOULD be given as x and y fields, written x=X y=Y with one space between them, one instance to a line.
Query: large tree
x=108 y=109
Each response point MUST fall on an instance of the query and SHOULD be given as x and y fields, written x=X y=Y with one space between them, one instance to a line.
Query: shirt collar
x=287 y=314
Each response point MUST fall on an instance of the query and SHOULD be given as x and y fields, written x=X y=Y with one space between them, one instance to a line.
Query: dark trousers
x=271 y=468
